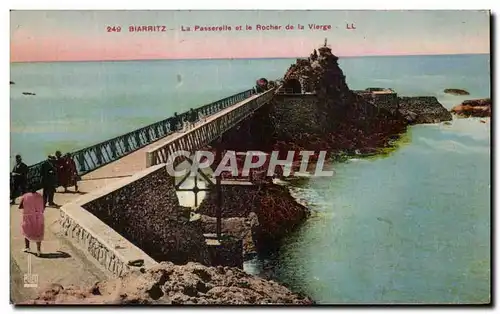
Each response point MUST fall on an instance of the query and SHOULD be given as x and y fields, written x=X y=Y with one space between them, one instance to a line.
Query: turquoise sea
x=412 y=227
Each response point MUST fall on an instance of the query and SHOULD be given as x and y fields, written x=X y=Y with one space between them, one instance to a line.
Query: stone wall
x=388 y=101
x=105 y=256
x=296 y=114
x=146 y=211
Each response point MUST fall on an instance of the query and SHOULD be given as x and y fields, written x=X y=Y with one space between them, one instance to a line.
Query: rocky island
x=473 y=108
x=313 y=110
x=456 y=91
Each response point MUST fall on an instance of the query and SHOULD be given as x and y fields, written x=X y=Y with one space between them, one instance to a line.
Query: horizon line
x=257 y=58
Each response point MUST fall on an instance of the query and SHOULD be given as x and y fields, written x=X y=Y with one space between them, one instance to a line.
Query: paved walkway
x=61 y=262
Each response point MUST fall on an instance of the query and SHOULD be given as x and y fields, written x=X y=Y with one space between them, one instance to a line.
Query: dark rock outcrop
x=239 y=227
x=424 y=109
x=473 y=108
x=261 y=216
x=167 y=283
x=456 y=91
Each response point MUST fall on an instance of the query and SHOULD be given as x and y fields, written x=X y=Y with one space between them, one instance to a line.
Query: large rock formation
x=342 y=120
x=473 y=108
x=173 y=284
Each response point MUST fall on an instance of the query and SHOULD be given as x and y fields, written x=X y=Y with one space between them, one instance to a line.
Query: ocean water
x=410 y=227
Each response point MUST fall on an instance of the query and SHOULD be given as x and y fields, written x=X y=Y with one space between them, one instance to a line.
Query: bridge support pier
x=218 y=159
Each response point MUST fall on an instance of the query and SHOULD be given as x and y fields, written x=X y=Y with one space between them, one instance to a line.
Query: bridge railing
x=98 y=155
x=207 y=132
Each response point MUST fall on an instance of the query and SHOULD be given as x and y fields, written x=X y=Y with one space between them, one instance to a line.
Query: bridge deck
x=136 y=161
x=62 y=263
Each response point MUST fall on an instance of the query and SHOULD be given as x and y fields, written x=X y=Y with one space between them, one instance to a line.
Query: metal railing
x=206 y=133
x=98 y=155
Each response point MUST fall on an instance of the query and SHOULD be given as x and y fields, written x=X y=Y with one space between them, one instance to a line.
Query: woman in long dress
x=71 y=173
x=32 y=225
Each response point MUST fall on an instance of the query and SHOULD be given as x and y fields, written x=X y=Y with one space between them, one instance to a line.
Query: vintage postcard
x=250 y=157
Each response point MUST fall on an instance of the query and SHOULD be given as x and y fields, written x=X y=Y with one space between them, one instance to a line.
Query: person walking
x=19 y=178
x=32 y=225
x=185 y=124
x=61 y=172
x=188 y=119
x=175 y=123
x=193 y=117
x=71 y=174
x=49 y=180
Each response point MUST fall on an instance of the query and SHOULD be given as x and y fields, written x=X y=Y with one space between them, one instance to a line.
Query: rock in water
x=473 y=108
x=167 y=283
x=423 y=109
x=456 y=91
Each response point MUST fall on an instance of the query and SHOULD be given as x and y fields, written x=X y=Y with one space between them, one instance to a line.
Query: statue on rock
x=314 y=55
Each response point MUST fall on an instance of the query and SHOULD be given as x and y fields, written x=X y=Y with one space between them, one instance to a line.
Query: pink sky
x=46 y=38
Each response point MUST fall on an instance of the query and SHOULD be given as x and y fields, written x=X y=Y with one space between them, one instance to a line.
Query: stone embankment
x=147 y=213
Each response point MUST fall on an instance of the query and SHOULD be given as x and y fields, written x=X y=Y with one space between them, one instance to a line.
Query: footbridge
x=127 y=154
x=79 y=248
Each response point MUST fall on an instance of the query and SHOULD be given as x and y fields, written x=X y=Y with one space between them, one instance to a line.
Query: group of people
x=187 y=123
x=56 y=171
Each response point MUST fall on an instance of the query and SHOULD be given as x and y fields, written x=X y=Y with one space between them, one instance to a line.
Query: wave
x=452 y=146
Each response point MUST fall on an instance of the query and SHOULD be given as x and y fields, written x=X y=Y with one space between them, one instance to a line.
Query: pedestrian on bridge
x=193 y=118
x=49 y=180
x=19 y=177
x=184 y=124
x=67 y=173
x=60 y=171
x=32 y=225
x=175 y=123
